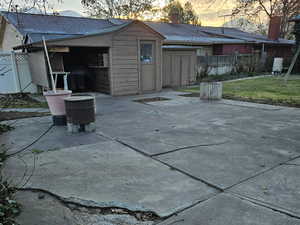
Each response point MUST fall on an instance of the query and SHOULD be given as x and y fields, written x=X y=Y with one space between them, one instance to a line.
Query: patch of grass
x=37 y=151
x=268 y=90
x=4 y=128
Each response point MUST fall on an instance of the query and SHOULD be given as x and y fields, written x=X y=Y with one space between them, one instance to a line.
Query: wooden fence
x=226 y=64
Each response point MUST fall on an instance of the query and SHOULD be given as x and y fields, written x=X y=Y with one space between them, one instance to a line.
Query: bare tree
x=117 y=8
x=27 y=5
x=286 y=9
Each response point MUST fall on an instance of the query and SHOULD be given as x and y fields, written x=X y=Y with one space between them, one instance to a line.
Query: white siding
x=11 y=38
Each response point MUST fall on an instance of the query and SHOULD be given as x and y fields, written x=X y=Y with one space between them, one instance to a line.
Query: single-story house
x=123 y=57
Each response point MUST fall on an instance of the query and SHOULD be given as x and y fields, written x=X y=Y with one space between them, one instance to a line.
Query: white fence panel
x=15 y=74
x=24 y=73
x=8 y=83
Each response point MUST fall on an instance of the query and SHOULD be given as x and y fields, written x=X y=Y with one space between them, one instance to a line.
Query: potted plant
x=55 y=98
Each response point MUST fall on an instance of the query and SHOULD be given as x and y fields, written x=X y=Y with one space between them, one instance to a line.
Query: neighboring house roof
x=211 y=35
x=36 y=26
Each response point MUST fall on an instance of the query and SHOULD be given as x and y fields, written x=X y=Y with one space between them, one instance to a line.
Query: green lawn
x=270 y=90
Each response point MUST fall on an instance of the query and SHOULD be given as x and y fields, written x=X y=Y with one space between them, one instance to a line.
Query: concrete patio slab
x=226 y=209
x=27 y=130
x=242 y=140
x=134 y=123
x=109 y=174
x=227 y=164
x=279 y=188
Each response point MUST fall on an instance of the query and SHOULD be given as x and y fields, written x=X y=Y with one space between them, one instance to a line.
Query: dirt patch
x=20 y=101
x=191 y=95
x=155 y=99
x=20 y=115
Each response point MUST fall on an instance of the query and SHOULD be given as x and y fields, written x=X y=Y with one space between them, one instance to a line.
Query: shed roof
x=38 y=25
x=35 y=26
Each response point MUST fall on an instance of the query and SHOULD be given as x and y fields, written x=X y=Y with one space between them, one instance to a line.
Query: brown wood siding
x=125 y=59
x=10 y=37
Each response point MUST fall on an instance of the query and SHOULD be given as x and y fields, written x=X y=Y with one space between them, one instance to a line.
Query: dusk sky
x=210 y=15
x=70 y=5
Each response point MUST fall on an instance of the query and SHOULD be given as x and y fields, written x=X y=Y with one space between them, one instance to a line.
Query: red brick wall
x=230 y=49
x=241 y=49
x=279 y=51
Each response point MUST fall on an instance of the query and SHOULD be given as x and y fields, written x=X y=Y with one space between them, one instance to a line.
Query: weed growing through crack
x=4 y=128
x=37 y=151
x=9 y=208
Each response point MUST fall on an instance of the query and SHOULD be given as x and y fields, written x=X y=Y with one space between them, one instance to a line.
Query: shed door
x=176 y=71
x=148 y=65
x=178 y=68
x=185 y=69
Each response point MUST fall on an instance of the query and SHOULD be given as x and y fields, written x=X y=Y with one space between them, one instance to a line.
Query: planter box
x=211 y=90
x=56 y=101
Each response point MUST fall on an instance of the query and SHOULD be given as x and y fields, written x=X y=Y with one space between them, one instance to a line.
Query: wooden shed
x=120 y=60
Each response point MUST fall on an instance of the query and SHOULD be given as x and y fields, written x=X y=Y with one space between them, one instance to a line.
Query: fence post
x=15 y=71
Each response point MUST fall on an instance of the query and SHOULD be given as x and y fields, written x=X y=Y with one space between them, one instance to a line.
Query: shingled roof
x=54 y=27
x=35 y=26
x=213 y=34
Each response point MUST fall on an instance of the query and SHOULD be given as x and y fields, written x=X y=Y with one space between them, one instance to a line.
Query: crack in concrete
x=266 y=205
x=219 y=189
x=186 y=208
x=262 y=172
x=166 y=164
x=291 y=164
x=80 y=205
x=170 y=166
x=188 y=147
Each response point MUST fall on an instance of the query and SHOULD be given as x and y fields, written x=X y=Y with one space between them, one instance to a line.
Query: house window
x=146 y=53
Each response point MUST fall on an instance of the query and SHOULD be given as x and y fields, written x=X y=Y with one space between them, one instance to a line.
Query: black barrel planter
x=80 y=112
